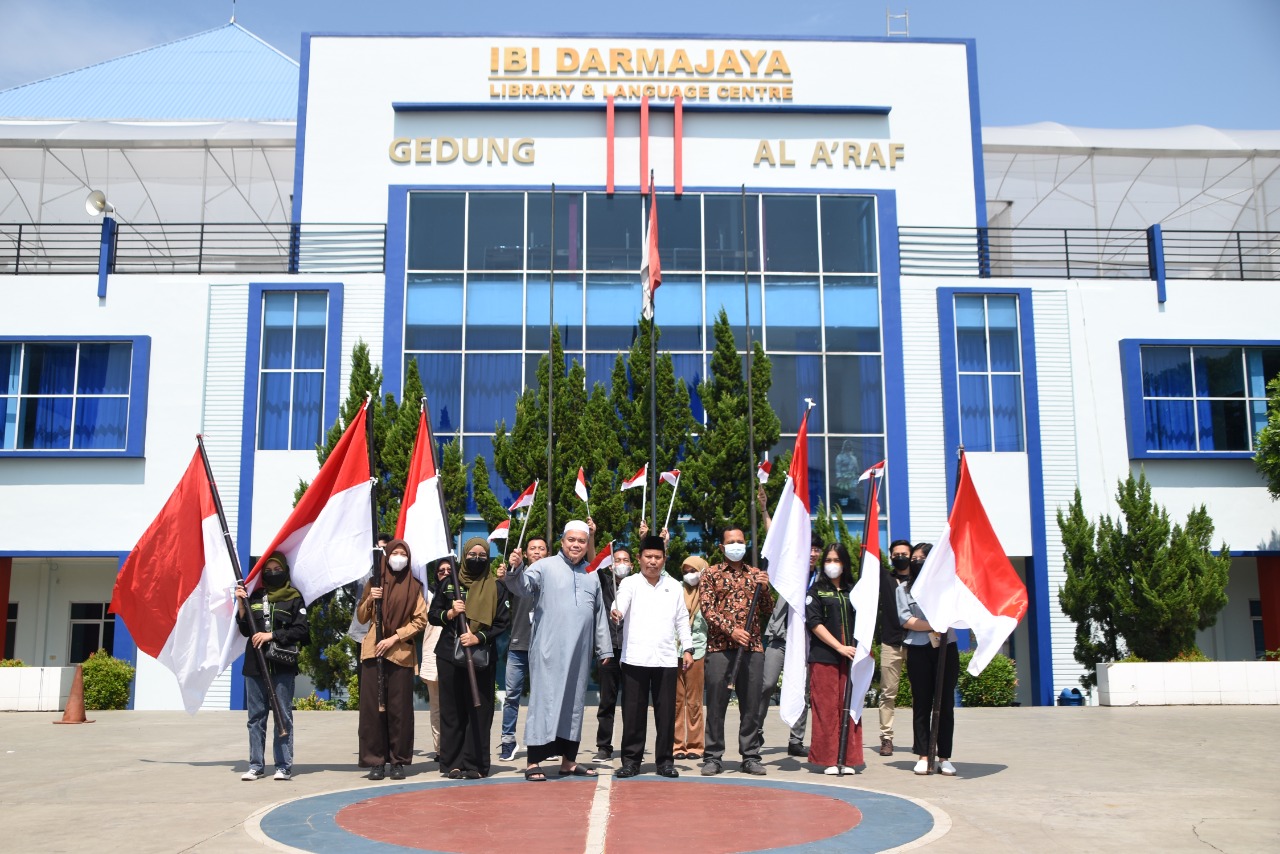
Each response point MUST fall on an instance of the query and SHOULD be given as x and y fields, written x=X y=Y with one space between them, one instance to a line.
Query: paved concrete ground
x=1030 y=779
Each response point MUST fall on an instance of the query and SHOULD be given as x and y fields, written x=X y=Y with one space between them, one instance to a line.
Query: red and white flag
x=865 y=599
x=328 y=537
x=876 y=470
x=525 y=499
x=670 y=477
x=176 y=590
x=763 y=471
x=501 y=532
x=580 y=485
x=421 y=522
x=967 y=581
x=651 y=269
x=638 y=479
x=787 y=549
x=600 y=561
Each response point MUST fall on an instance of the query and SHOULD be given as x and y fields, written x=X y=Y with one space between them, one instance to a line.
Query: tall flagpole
x=751 y=419
x=935 y=718
x=847 y=711
x=551 y=375
x=653 y=375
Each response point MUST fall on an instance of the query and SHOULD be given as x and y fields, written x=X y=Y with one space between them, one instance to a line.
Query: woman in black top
x=829 y=619
x=464 y=729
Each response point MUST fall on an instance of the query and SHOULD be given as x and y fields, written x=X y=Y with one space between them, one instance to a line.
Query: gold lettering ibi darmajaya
x=447 y=149
x=656 y=62
x=845 y=154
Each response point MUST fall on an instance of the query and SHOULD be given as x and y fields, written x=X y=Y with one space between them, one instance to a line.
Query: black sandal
x=535 y=775
x=578 y=771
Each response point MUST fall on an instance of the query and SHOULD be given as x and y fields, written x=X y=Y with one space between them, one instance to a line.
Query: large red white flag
x=786 y=547
x=865 y=599
x=651 y=269
x=580 y=485
x=421 y=522
x=525 y=498
x=176 y=590
x=328 y=537
x=638 y=479
x=967 y=581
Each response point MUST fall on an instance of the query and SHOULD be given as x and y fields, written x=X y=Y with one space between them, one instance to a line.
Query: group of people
x=659 y=644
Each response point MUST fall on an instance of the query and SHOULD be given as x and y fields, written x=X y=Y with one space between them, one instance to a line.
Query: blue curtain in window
x=277 y=330
x=101 y=423
x=794 y=379
x=975 y=413
x=104 y=368
x=855 y=395
x=1006 y=411
x=313 y=311
x=308 y=392
x=442 y=383
x=688 y=368
x=1171 y=425
x=275 y=396
x=971 y=334
x=473 y=446
x=1166 y=371
x=493 y=383
x=46 y=423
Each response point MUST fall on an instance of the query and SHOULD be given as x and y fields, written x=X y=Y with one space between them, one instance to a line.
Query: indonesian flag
x=328 y=536
x=670 y=476
x=968 y=582
x=763 y=471
x=600 y=561
x=421 y=522
x=637 y=479
x=787 y=549
x=651 y=270
x=865 y=600
x=525 y=499
x=501 y=532
x=876 y=470
x=176 y=590
x=580 y=486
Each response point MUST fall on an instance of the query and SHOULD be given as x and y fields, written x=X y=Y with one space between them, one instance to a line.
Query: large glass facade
x=478 y=306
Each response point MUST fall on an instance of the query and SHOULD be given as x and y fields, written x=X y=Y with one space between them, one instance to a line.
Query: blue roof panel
x=223 y=74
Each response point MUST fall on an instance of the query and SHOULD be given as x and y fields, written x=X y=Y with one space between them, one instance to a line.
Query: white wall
x=44 y=589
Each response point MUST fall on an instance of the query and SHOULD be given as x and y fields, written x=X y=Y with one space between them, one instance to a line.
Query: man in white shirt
x=655 y=641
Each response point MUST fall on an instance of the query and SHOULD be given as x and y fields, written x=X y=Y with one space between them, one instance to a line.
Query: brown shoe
x=886 y=747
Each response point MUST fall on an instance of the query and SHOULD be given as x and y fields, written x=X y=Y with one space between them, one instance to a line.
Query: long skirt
x=827 y=683
x=386 y=738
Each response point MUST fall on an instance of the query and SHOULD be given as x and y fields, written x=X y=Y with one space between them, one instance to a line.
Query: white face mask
x=735 y=551
x=397 y=562
x=691 y=578
x=622 y=570
x=832 y=570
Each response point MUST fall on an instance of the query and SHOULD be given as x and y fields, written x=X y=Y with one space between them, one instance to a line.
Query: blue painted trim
x=139 y=390
x=300 y=144
x=393 y=306
x=598 y=107
x=123 y=646
x=236 y=702
x=1038 y=593
x=106 y=254
x=975 y=123
x=895 y=398
x=1155 y=259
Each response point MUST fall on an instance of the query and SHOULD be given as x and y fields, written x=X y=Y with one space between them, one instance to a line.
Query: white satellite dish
x=97 y=205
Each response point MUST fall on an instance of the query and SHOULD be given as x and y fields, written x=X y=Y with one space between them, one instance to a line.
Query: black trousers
x=922 y=670
x=464 y=729
x=386 y=738
x=610 y=677
x=750 y=676
x=640 y=687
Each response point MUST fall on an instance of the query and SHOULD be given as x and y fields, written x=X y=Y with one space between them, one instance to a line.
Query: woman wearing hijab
x=387 y=737
x=428 y=672
x=689 y=726
x=464 y=728
x=928 y=650
x=828 y=615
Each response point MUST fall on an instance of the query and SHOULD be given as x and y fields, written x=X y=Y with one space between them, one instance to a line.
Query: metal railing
x=1222 y=254
x=30 y=248
x=1070 y=253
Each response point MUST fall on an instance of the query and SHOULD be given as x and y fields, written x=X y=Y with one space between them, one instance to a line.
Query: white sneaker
x=282 y=774
x=251 y=775
x=832 y=771
x=945 y=768
x=922 y=767
x=849 y=770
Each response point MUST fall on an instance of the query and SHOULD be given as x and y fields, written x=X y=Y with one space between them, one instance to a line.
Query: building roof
x=226 y=73
x=1175 y=140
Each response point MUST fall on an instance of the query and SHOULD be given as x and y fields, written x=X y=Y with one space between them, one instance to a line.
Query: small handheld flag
x=580 y=489
x=525 y=499
x=763 y=471
x=638 y=479
x=600 y=561
x=876 y=470
x=502 y=531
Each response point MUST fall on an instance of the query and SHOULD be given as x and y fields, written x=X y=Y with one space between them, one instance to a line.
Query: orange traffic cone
x=74 y=713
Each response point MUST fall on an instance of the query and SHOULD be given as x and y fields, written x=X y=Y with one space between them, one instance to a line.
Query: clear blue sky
x=1123 y=63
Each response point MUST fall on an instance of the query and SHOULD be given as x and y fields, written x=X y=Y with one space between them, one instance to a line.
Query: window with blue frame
x=1201 y=398
x=292 y=369
x=989 y=368
x=66 y=395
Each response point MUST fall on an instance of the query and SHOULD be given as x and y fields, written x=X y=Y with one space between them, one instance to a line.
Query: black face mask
x=916 y=564
x=275 y=580
x=900 y=564
x=476 y=565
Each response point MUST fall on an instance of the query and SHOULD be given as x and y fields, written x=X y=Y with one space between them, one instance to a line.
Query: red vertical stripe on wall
x=1269 y=593
x=677 y=145
x=644 y=143
x=608 y=131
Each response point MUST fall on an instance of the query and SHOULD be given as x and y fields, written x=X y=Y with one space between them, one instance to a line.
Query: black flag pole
x=935 y=719
x=848 y=687
x=751 y=420
x=551 y=372
x=653 y=378
x=276 y=712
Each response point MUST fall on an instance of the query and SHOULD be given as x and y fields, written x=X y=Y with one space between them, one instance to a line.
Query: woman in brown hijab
x=464 y=728
x=387 y=737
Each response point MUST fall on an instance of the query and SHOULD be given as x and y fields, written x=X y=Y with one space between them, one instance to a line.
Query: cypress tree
x=1267 y=443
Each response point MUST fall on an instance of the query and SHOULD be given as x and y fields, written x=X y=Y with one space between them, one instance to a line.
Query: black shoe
x=628 y=769
x=668 y=771
x=753 y=767
x=796 y=748
x=711 y=767
x=378 y=772
x=603 y=755
x=397 y=772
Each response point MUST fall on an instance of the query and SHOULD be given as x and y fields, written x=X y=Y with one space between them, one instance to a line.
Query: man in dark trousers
x=609 y=676
x=893 y=655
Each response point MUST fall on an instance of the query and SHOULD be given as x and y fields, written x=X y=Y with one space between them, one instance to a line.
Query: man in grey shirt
x=518 y=649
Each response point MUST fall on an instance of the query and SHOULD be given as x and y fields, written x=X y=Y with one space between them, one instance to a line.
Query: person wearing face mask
x=281 y=618
x=464 y=728
x=775 y=652
x=609 y=676
x=828 y=615
x=386 y=738
x=893 y=654
x=517 y=671
x=688 y=725
x=427 y=671
x=927 y=650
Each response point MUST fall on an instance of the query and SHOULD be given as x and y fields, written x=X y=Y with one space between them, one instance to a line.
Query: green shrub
x=1191 y=654
x=995 y=686
x=904 y=684
x=106 y=681
x=11 y=662
x=1132 y=659
x=313 y=703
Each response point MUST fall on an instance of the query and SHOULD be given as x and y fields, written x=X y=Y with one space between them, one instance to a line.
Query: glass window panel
x=1171 y=425
x=1166 y=372
x=568 y=312
x=727 y=292
x=495 y=223
x=8 y=423
x=855 y=395
x=46 y=423
x=433 y=313
x=277 y=329
x=689 y=370
x=1259 y=417
x=308 y=397
x=1006 y=412
x=492 y=386
x=848 y=234
x=495 y=312
x=680 y=231
x=309 y=342
x=1219 y=371
x=600 y=369
x=442 y=383
x=975 y=413
x=49 y=369
x=723 y=232
x=794 y=316
x=817 y=470
x=971 y=334
x=1263 y=367
x=101 y=423
x=275 y=395
x=436 y=230
x=473 y=446
x=85 y=641
x=679 y=312
x=791 y=234
x=86 y=610
x=10 y=366
x=794 y=379
x=104 y=368
x=1224 y=425
x=615 y=231
x=852 y=314
x=613 y=305
x=568 y=231
x=850 y=457
x=1002 y=333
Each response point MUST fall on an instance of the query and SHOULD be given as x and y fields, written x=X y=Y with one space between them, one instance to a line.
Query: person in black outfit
x=829 y=617
x=893 y=654
x=464 y=728
x=274 y=612
x=609 y=676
